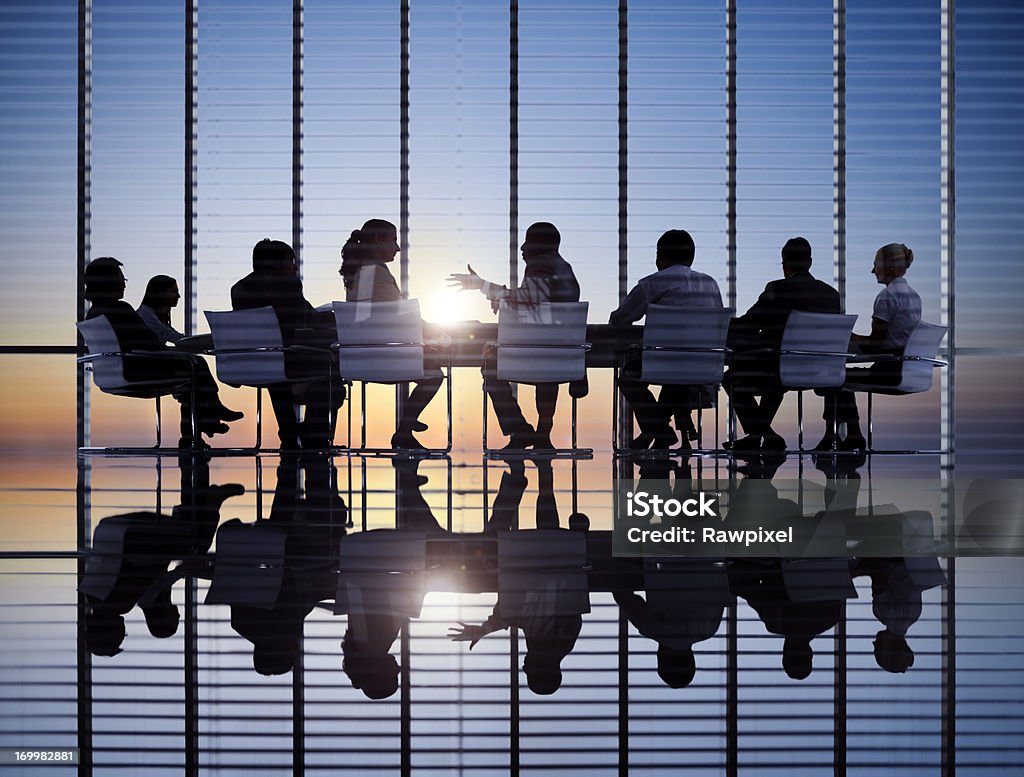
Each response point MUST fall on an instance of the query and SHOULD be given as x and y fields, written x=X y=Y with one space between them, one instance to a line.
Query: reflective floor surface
x=468 y=616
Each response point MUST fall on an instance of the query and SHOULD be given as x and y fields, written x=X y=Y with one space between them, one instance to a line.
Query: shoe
x=289 y=444
x=827 y=444
x=773 y=442
x=210 y=429
x=227 y=414
x=853 y=443
x=406 y=442
x=641 y=442
x=752 y=442
x=664 y=440
x=542 y=442
x=418 y=426
x=520 y=441
x=219 y=494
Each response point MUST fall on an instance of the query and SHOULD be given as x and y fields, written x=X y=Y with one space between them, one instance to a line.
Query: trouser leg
x=510 y=416
x=322 y=398
x=771 y=401
x=748 y=412
x=547 y=400
x=650 y=416
x=283 y=402
x=418 y=399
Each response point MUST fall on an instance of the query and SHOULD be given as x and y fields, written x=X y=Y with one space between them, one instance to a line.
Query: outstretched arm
x=467 y=632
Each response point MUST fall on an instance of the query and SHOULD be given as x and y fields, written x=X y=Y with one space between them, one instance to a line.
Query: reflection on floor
x=464 y=615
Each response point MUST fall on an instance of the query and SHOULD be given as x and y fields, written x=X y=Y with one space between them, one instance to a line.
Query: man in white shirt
x=675 y=283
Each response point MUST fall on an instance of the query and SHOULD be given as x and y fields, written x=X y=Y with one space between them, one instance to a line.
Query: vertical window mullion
x=730 y=150
x=513 y=144
x=623 y=147
x=191 y=190
x=839 y=148
x=84 y=183
x=297 y=97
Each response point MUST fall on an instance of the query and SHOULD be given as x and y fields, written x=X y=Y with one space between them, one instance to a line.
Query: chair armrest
x=581 y=346
x=790 y=352
x=340 y=346
x=867 y=358
x=176 y=355
x=933 y=362
x=674 y=349
x=306 y=349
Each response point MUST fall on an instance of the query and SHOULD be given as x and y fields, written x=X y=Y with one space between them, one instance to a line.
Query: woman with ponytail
x=364 y=260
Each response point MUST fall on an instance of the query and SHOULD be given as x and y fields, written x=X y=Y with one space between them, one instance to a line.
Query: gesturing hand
x=466 y=281
x=467 y=633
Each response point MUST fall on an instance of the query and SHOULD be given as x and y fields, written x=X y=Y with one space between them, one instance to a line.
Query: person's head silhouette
x=162 y=293
x=162 y=619
x=375 y=243
x=375 y=675
x=797 y=657
x=274 y=655
x=796 y=256
x=892 y=653
x=676 y=668
x=104 y=279
x=273 y=256
x=891 y=262
x=675 y=247
x=543 y=672
x=541 y=238
x=104 y=632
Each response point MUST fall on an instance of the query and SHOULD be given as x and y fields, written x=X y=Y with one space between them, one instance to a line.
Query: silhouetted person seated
x=549 y=639
x=896 y=603
x=367 y=279
x=546 y=603
x=380 y=606
x=128 y=563
x=751 y=375
x=104 y=288
x=548 y=278
x=300 y=538
x=367 y=661
x=155 y=310
x=274 y=282
x=761 y=584
x=680 y=610
x=381 y=585
x=895 y=315
x=675 y=284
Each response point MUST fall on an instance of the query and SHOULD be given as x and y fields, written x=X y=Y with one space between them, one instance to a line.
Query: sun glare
x=447 y=306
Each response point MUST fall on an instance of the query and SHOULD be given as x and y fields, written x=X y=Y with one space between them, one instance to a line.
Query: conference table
x=464 y=342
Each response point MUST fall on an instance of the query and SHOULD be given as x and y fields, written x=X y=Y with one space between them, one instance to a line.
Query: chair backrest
x=542 y=343
x=237 y=336
x=689 y=333
x=815 y=336
x=99 y=335
x=924 y=342
x=380 y=342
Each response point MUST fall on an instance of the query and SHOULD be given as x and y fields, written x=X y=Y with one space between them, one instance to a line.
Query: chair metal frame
x=446 y=374
x=917 y=358
x=620 y=425
x=796 y=316
x=575 y=450
x=282 y=349
x=146 y=389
